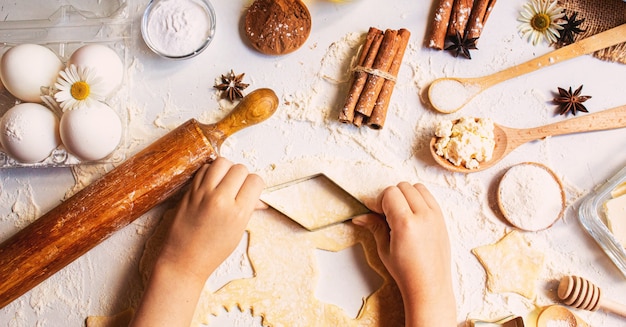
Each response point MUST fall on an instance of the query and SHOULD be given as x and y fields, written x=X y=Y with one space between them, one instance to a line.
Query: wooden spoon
x=557 y=313
x=508 y=139
x=440 y=92
x=581 y=293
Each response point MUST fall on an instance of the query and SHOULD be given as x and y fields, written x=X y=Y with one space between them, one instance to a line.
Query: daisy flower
x=77 y=86
x=540 y=21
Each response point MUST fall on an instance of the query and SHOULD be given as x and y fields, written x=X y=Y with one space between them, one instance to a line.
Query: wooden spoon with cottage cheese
x=508 y=139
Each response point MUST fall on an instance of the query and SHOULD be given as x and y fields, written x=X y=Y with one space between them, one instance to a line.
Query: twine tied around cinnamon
x=376 y=72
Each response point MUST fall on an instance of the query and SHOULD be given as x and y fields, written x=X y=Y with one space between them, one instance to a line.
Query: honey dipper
x=582 y=294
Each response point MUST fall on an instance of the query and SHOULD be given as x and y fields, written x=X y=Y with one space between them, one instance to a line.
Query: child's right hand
x=413 y=244
x=211 y=217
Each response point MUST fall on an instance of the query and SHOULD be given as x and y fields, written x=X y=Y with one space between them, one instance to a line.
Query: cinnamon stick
x=358 y=119
x=379 y=113
x=366 y=59
x=374 y=83
x=461 y=10
x=478 y=17
x=439 y=27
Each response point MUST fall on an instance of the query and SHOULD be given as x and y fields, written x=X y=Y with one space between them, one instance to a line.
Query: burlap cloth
x=599 y=15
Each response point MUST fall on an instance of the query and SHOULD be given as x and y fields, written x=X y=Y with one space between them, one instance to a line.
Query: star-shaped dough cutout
x=511 y=264
x=282 y=290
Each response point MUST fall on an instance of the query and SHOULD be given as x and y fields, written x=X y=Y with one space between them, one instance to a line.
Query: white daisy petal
x=536 y=34
x=89 y=83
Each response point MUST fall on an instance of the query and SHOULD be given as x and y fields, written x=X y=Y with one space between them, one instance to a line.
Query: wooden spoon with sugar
x=450 y=94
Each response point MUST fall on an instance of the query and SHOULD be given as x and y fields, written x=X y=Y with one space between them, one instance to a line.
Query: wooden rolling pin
x=116 y=199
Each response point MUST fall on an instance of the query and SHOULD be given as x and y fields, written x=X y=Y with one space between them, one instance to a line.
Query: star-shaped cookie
x=511 y=264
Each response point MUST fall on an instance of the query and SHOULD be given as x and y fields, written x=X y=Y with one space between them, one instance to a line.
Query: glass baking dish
x=65 y=30
x=593 y=218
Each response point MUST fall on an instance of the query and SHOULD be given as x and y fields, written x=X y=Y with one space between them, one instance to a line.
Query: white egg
x=29 y=132
x=91 y=132
x=25 y=68
x=104 y=61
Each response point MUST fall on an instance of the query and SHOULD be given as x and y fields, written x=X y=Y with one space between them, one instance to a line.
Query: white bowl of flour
x=531 y=197
x=178 y=29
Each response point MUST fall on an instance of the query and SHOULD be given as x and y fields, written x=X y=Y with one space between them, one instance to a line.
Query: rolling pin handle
x=254 y=108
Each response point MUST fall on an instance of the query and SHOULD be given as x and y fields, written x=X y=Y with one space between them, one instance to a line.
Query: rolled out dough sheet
x=282 y=290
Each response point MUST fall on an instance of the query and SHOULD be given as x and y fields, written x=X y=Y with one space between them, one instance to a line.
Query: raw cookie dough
x=121 y=319
x=511 y=265
x=282 y=290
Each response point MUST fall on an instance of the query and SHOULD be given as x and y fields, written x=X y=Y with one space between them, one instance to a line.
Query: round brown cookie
x=277 y=27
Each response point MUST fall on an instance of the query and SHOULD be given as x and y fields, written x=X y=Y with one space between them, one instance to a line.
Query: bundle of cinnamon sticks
x=374 y=77
x=467 y=17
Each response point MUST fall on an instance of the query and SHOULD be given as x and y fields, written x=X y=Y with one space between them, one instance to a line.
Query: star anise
x=571 y=102
x=461 y=45
x=570 y=29
x=232 y=85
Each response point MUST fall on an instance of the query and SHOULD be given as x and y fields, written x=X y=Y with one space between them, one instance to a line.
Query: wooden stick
x=460 y=15
x=374 y=83
x=366 y=59
x=478 y=17
x=439 y=26
x=379 y=113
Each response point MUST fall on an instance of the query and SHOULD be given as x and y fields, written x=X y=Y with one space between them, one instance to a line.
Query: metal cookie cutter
x=314 y=202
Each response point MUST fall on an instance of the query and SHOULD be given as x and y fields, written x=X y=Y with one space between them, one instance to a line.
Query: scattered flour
x=370 y=161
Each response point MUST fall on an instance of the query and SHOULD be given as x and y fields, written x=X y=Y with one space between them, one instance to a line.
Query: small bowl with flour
x=531 y=196
x=178 y=29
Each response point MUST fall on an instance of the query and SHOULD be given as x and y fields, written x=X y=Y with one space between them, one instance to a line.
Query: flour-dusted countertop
x=304 y=136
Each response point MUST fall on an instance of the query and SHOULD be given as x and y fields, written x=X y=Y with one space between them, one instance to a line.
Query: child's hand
x=209 y=223
x=413 y=244
x=211 y=218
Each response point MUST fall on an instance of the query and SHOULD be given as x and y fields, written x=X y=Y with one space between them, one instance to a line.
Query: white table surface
x=166 y=93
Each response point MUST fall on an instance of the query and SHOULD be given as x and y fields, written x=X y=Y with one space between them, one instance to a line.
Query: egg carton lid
x=70 y=24
x=65 y=30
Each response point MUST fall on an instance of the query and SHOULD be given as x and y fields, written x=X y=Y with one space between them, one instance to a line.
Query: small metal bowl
x=178 y=29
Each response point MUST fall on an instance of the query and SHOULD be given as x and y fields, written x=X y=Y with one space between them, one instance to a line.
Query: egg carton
x=63 y=31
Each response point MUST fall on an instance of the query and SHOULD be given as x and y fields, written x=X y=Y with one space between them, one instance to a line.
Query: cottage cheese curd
x=468 y=141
